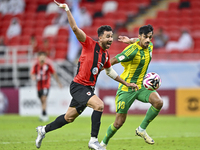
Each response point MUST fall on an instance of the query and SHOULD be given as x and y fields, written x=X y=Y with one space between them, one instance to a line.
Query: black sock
x=58 y=123
x=44 y=112
x=96 y=121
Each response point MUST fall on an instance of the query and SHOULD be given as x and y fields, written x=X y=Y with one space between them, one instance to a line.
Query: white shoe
x=145 y=136
x=44 y=118
x=40 y=136
x=94 y=144
x=103 y=144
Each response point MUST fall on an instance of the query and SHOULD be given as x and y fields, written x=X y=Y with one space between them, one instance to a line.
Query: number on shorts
x=121 y=105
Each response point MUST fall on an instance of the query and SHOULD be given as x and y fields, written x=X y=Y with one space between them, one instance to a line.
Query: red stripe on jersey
x=92 y=59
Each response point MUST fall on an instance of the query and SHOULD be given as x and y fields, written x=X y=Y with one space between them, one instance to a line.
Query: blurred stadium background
x=179 y=70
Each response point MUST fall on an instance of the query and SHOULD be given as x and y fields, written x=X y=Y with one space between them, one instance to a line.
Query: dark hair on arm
x=101 y=29
x=145 y=29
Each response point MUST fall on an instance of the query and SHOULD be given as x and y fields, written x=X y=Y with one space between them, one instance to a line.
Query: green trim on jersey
x=135 y=61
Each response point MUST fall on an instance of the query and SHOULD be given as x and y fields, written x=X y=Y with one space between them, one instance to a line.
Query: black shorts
x=80 y=96
x=43 y=92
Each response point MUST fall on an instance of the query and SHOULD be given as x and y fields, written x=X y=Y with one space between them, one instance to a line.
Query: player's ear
x=100 y=37
x=139 y=36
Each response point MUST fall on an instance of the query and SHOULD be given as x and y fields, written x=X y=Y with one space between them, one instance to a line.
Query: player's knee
x=158 y=103
x=69 y=119
x=99 y=107
x=119 y=124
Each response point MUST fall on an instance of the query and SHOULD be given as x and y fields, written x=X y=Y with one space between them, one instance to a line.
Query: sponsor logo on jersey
x=121 y=57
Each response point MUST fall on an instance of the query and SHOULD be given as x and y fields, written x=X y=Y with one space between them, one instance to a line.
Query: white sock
x=140 y=129
x=43 y=130
x=93 y=139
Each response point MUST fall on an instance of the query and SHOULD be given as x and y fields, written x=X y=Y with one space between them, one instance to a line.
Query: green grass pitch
x=169 y=133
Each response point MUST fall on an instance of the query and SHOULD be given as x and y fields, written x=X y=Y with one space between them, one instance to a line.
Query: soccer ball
x=152 y=81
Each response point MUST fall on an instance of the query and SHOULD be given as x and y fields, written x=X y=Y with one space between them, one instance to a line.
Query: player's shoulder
x=151 y=45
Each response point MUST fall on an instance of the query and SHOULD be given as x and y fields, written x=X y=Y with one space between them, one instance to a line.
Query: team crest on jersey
x=121 y=57
x=95 y=70
x=88 y=93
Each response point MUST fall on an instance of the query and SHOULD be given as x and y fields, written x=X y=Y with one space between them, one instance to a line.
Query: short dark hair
x=42 y=53
x=101 y=29
x=145 y=29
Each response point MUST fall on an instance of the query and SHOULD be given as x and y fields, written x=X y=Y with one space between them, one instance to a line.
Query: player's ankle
x=141 y=129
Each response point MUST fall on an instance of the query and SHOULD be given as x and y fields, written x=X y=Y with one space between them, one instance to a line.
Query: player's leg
x=97 y=104
x=157 y=103
x=42 y=94
x=60 y=121
x=153 y=111
x=123 y=102
x=44 y=116
x=112 y=129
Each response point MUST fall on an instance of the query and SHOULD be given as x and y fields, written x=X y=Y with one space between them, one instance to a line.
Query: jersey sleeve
x=51 y=69
x=33 y=69
x=107 y=64
x=127 y=54
x=88 y=41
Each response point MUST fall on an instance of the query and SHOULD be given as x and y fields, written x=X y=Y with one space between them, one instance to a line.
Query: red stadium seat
x=38 y=31
x=173 y=6
x=63 y=32
x=40 y=23
x=27 y=31
x=174 y=14
x=25 y=40
x=150 y=21
x=162 y=14
x=14 y=40
x=186 y=12
x=7 y=17
x=61 y=39
x=28 y=23
x=40 y=15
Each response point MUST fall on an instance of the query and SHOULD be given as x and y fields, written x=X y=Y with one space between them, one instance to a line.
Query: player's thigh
x=124 y=100
x=144 y=94
x=80 y=93
x=43 y=93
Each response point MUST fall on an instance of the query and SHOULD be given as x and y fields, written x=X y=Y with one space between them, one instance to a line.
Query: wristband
x=66 y=6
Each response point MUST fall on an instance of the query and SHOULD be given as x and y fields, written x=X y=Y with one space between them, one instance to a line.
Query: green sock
x=150 y=115
x=110 y=132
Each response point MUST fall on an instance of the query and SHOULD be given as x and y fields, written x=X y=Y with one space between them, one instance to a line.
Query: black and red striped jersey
x=92 y=59
x=43 y=74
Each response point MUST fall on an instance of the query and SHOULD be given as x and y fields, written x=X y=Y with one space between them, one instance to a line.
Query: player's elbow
x=74 y=28
x=111 y=73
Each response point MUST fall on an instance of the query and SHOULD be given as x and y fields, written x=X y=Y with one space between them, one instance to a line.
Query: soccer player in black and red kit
x=93 y=58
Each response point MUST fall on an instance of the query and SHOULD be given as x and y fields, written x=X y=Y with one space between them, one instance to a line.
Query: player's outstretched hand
x=124 y=39
x=133 y=85
x=64 y=6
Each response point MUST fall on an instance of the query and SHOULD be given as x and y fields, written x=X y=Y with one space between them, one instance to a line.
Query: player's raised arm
x=126 y=40
x=81 y=36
